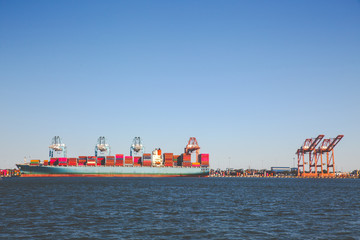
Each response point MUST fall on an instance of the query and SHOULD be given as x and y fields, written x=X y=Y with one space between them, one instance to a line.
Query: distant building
x=280 y=169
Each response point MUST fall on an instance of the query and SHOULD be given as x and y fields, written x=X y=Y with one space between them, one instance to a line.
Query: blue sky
x=250 y=79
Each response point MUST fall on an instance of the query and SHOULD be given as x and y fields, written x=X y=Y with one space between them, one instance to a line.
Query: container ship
x=103 y=164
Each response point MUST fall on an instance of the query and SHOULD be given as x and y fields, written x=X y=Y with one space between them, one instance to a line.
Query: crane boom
x=310 y=144
x=315 y=142
x=334 y=142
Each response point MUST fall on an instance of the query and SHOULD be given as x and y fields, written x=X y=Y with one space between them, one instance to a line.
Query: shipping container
x=100 y=161
x=147 y=164
x=128 y=160
x=195 y=164
x=146 y=156
x=137 y=160
x=54 y=161
x=119 y=162
x=185 y=156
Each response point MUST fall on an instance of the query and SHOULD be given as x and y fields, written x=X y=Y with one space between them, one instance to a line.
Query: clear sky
x=250 y=79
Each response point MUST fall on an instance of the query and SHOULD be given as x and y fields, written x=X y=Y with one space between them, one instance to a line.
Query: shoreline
x=218 y=176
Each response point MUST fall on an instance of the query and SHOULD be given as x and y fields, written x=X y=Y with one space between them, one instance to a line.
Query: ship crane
x=308 y=148
x=57 y=148
x=136 y=148
x=193 y=146
x=102 y=148
x=327 y=146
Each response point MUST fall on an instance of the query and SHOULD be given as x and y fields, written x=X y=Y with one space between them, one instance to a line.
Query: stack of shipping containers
x=34 y=162
x=186 y=160
x=204 y=159
x=147 y=160
x=54 y=161
x=72 y=161
x=119 y=160
x=82 y=160
x=91 y=161
x=100 y=161
x=176 y=160
x=110 y=161
x=137 y=161
x=62 y=161
x=195 y=164
x=168 y=159
x=129 y=161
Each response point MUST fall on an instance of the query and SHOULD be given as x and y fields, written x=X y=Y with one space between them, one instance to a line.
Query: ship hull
x=110 y=171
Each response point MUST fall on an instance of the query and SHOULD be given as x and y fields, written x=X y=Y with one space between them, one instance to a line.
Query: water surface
x=179 y=208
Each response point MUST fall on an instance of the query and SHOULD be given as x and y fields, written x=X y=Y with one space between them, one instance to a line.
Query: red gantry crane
x=327 y=146
x=193 y=146
x=308 y=148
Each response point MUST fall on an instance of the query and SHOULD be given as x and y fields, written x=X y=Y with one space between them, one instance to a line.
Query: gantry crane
x=102 y=148
x=193 y=146
x=57 y=148
x=308 y=148
x=137 y=148
x=327 y=146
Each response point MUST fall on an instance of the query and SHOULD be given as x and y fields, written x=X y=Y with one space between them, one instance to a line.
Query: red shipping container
x=128 y=160
x=119 y=162
x=137 y=160
x=100 y=161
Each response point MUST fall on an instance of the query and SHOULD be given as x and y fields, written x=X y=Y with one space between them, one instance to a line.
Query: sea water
x=179 y=208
